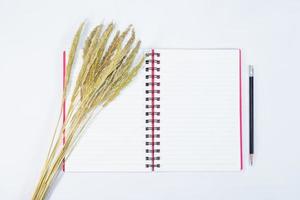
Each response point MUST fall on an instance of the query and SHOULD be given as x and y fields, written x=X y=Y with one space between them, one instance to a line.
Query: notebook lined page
x=200 y=127
x=115 y=138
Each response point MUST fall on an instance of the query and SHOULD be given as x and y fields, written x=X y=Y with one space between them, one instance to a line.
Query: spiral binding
x=152 y=113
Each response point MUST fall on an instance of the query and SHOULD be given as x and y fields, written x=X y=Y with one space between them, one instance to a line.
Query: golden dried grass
x=105 y=71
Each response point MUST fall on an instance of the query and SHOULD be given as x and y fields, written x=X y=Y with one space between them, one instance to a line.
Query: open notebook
x=181 y=113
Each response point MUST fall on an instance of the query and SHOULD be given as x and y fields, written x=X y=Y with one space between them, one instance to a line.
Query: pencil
x=251 y=114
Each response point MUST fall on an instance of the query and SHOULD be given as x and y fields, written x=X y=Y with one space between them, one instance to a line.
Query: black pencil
x=251 y=114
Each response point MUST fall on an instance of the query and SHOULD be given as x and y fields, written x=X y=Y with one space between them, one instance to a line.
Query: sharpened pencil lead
x=251 y=159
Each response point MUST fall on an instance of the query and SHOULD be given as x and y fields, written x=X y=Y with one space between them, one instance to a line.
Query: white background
x=34 y=33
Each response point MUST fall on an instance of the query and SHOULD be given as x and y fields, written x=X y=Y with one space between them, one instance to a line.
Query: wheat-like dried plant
x=108 y=66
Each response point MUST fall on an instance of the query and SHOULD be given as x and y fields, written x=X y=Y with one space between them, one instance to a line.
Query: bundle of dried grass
x=106 y=70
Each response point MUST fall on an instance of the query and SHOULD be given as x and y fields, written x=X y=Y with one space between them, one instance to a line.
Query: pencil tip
x=251 y=159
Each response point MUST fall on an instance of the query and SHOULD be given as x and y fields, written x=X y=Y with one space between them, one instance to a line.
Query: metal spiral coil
x=152 y=112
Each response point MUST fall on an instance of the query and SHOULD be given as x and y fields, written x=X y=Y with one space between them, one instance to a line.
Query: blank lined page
x=114 y=139
x=200 y=116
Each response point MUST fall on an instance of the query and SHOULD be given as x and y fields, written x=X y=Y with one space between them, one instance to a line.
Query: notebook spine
x=152 y=113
